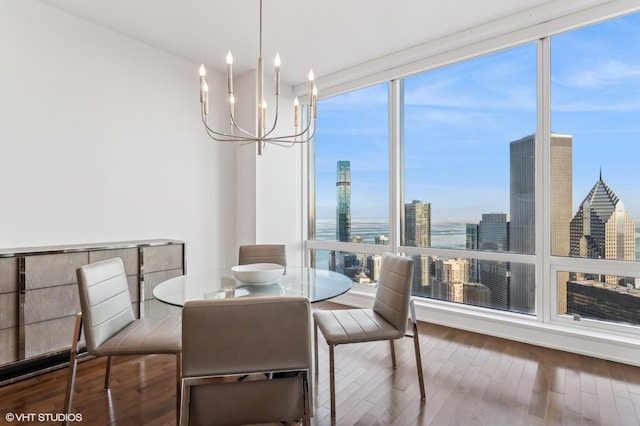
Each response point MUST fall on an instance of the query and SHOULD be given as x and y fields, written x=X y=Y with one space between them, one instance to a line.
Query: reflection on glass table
x=316 y=284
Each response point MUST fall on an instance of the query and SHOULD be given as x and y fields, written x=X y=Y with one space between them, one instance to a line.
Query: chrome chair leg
x=73 y=364
x=416 y=346
x=306 y=380
x=107 y=377
x=332 y=382
x=183 y=401
x=178 y=383
x=393 y=353
x=315 y=336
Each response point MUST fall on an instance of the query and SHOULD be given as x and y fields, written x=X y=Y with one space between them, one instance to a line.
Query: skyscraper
x=417 y=233
x=493 y=232
x=381 y=239
x=493 y=235
x=603 y=229
x=449 y=279
x=339 y=261
x=522 y=212
x=343 y=210
x=471 y=234
x=417 y=227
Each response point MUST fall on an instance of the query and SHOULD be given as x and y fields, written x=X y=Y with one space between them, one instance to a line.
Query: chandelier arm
x=287 y=144
x=296 y=135
x=224 y=137
x=221 y=137
x=248 y=136
x=288 y=139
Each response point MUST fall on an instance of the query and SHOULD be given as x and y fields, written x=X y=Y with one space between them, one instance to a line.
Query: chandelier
x=264 y=133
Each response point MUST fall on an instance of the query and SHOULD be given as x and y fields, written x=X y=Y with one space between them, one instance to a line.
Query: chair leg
x=107 y=376
x=306 y=380
x=332 y=382
x=416 y=345
x=183 y=412
x=315 y=337
x=73 y=364
x=178 y=384
x=393 y=353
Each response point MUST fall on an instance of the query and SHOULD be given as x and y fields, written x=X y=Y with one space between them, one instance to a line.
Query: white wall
x=101 y=140
x=279 y=188
x=269 y=206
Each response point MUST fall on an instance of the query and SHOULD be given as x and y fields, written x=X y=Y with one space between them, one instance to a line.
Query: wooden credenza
x=39 y=296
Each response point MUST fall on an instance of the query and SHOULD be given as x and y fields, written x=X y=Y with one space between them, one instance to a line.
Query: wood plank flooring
x=471 y=379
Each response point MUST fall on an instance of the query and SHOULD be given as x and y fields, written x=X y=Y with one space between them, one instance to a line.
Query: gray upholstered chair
x=386 y=321
x=262 y=253
x=110 y=327
x=223 y=340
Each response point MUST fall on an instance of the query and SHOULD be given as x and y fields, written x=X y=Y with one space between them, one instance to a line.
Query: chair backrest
x=262 y=253
x=104 y=299
x=243 y=336
x=394 y=290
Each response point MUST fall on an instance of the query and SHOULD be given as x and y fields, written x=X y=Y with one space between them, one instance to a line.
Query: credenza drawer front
x=48 y=336
x=48 y=270
x=51 y=302
x=9 y=346
x=129 y=257
x=162 y=258
x=8 y=310
x=9 y=275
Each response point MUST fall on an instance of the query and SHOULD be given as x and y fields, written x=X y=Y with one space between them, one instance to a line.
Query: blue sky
x=460 y=119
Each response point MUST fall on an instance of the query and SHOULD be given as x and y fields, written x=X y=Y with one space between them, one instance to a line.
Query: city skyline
x=601 y=228
x=594 y=86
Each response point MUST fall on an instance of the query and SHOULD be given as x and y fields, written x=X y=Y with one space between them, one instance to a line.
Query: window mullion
x=396 y=178
x=545 y=300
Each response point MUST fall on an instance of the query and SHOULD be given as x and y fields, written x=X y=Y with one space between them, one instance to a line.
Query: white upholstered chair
x=386 y=321
x=223 y=340
x=262 y=253
x=109 y=324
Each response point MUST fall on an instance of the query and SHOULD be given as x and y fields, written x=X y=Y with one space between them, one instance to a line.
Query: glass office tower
x=522 y=206
x=417 y=233
x=343 y=210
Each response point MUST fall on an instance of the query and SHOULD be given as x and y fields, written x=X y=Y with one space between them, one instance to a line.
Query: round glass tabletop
x=316 y=284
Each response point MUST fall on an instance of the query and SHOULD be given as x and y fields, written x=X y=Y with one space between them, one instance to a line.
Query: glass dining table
x=316 y=284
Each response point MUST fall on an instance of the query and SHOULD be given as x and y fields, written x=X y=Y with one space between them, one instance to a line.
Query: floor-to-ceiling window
x=469 y=169
x=500 y=207
x=595 y=106
x=351 y=180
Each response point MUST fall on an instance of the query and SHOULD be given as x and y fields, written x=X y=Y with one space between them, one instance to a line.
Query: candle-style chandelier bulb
x=265 y=133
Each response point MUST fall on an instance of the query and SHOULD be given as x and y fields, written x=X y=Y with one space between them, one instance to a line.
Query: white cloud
x=602 y=75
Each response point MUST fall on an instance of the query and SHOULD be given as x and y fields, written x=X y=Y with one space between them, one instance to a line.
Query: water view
x=447 y=235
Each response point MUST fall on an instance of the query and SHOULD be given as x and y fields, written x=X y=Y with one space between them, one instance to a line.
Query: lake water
x=449 y=235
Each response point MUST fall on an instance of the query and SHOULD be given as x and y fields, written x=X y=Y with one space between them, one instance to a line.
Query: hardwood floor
x=471 y=379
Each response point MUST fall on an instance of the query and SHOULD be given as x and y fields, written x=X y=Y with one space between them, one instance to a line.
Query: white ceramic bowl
x=258 y=273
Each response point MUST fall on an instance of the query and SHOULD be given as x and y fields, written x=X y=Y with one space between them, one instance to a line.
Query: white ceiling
x=328 y=35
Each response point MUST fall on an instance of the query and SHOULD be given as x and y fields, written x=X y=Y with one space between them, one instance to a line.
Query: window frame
x=546 y=265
